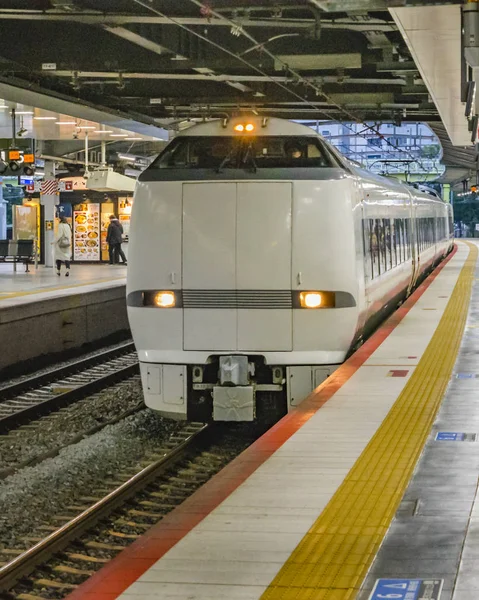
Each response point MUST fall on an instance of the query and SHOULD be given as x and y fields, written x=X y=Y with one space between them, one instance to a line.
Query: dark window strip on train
x=277 y=174
x=387 y=242
x=221 y=153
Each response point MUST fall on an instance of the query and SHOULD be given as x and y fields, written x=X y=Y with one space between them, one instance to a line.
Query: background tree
x=467 y=212
x=430 y=151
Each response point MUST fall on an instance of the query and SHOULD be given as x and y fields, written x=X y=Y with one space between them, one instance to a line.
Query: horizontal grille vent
x=237 y=299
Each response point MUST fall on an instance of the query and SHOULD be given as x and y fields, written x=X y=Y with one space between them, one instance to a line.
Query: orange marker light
x=239 y=127
x=249 y=127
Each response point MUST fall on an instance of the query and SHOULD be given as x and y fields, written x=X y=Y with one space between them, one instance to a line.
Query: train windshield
x=222 y=152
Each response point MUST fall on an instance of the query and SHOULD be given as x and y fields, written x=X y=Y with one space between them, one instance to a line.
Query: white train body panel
x=237 y=251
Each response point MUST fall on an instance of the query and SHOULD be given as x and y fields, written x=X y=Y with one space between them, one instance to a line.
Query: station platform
x=32 y=285
x=373 y=477
x=42 y=314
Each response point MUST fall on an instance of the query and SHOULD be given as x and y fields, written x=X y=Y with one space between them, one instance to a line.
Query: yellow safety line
x=9 y=295
x=332 y=560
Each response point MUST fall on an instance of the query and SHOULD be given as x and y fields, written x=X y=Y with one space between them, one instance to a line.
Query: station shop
x=89 y=216
x=87 y=212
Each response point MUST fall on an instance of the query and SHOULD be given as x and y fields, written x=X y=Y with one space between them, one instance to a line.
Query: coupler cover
x=233 y=403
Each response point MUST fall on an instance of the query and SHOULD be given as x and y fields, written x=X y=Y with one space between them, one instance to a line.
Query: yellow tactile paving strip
x=46 y=290
x=332 y=560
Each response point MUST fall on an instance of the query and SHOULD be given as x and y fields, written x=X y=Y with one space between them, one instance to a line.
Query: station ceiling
x=159 y=62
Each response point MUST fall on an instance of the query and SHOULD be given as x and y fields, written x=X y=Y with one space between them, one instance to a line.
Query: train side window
x=407 y=238
x=401 y=240
x=387 y=243
x=394 y=248
x=374 y=241
x=382 y=245
x=368 y=250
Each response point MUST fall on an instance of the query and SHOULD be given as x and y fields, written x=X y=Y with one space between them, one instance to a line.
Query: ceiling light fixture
x=86 y=127
x=105 y=131
x=119 y=135
x=65 y=122
x=133 y=138
x=43 y=118
x=24 y=112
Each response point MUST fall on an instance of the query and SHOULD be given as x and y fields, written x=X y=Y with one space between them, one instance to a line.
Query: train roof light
x=239 y=127
x=249 y=127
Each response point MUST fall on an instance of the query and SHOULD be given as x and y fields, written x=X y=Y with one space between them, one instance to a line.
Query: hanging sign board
x=14 y=155
x=29 y=158
x=65 y=186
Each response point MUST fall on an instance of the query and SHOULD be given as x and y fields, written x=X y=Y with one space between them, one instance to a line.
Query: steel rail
x=25 y=563
x=66 y=397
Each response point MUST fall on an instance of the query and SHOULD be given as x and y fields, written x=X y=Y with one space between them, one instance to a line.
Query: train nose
x=236 y=263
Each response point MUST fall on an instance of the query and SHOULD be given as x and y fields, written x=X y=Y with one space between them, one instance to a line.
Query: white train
x=258 y=258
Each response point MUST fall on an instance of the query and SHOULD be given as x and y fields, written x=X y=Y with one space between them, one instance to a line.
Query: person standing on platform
x=114 y=238
x=63 y=246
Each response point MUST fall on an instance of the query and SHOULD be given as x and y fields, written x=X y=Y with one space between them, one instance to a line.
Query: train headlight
x=311 y=299
x=239 y=127
x=249 y=127
x=165 y=299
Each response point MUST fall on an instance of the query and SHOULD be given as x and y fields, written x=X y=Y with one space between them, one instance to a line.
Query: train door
x=237 y=254
x=413 y=245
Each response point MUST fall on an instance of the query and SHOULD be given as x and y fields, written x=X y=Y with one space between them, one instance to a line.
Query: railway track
x=96 y=528
x=40 y=394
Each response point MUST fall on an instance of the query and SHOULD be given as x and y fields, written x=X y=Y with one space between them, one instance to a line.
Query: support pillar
x=49 y=201
x=446 y=192
x=3 y=213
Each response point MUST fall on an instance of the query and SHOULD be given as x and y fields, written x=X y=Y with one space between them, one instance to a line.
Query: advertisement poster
x=124 y=215
x=86 y=233
x=25 y=222
x=107 y=209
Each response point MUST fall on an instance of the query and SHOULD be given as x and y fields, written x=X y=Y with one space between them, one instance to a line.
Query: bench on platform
x=16 y=251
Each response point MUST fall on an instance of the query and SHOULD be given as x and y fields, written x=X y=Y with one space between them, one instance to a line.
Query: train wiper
x=249 y=155
x=226 y=159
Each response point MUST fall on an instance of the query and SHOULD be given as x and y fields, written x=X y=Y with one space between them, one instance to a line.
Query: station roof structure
x=159 y=63
x=154 y=61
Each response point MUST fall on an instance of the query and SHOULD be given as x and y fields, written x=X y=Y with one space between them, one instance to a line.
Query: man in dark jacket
x=114 y=239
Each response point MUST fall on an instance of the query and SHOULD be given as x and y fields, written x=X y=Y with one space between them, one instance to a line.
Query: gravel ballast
x=33 y=495
x=62 y=427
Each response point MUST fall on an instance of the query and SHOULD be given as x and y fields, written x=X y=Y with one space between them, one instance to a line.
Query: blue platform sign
x=407 y=589
x=450 y=436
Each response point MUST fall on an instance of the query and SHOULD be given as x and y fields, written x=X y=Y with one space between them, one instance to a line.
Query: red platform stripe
x=115 y=577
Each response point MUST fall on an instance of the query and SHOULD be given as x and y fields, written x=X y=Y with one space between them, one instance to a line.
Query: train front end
x=242 y=297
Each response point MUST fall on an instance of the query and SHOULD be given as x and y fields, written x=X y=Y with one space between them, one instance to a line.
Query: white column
x=49 y=201
x=3 y=213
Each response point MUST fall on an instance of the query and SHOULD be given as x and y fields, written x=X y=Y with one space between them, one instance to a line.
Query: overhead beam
x=138 y=40
x=367 y=5
x=124 y=19
x=112 y=20
x=225 y=78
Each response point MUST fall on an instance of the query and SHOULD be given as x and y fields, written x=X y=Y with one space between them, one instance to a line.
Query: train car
x=259 y=257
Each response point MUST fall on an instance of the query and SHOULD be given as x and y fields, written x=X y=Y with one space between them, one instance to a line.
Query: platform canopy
x=162 y=64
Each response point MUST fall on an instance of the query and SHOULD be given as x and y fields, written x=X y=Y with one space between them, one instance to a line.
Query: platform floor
x=328 y=494
x=19 y=287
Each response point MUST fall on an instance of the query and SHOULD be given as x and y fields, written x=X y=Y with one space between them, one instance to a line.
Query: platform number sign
x=407 y=589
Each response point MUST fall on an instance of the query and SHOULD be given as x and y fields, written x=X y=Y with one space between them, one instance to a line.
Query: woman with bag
x=63 y=246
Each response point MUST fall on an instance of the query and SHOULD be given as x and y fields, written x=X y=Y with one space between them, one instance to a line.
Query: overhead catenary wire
x=238 y=27
x=299 y=78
